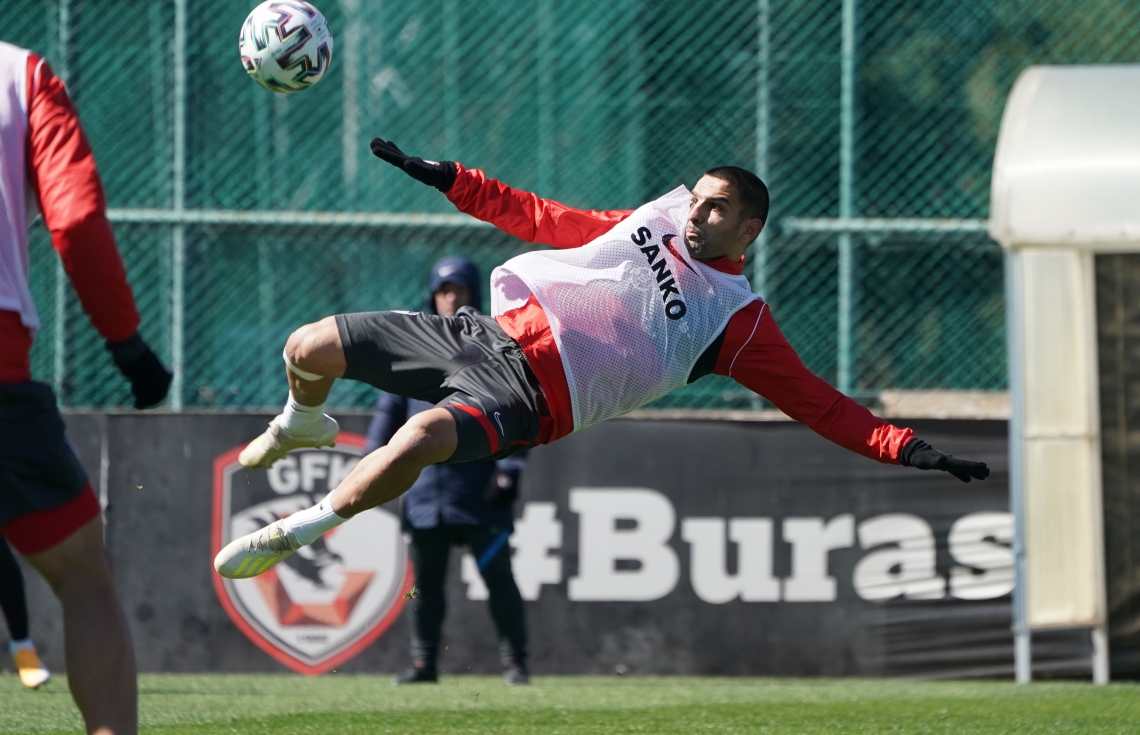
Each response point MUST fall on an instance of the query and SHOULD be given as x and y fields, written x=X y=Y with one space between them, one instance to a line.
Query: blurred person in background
x=13 y=601
x=465 y=505
x=48 y=511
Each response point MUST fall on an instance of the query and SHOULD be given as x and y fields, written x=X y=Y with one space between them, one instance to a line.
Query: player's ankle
x=20 y=645
x=306 y=526
x=297 y=417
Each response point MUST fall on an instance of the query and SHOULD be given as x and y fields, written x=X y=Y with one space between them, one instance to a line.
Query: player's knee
x=301 y=345
x=427 y=438
x=89 y=576
x=78 y=561
x=314 y=347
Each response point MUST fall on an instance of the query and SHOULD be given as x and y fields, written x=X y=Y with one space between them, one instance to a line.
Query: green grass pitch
x=217 y=704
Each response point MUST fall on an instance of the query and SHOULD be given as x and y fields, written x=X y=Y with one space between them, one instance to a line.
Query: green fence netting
x=874 y=123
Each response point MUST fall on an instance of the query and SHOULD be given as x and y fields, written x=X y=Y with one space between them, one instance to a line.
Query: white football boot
x=256 y=552
x=277 y=441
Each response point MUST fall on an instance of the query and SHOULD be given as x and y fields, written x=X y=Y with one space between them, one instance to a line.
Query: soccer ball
x=286 y=45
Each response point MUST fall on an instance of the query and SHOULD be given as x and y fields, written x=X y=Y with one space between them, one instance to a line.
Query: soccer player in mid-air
x=628 y=307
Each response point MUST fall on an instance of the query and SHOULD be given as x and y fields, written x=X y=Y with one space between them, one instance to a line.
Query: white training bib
x=15 y=295
x=631 y=312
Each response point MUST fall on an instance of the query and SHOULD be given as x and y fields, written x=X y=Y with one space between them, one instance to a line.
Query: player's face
x=450 y=298
x=717 y=227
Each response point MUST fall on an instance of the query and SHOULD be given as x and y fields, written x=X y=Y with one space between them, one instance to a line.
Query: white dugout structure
x=1066 y=186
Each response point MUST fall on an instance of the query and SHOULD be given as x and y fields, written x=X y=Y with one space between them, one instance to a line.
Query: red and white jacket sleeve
x=525 y=215
x=61 y=170
x=756 y=355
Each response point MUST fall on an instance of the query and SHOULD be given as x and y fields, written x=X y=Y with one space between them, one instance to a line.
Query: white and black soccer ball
x=286 y=45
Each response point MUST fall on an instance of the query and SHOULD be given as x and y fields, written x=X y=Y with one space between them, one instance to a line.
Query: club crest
x=327 y=602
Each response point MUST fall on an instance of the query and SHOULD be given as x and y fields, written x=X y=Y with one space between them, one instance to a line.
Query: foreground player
x=631 y=306
x=48 y=511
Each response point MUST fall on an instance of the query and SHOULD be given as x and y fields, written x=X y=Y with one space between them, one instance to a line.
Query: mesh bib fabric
x=15 y=294
x=631 y=312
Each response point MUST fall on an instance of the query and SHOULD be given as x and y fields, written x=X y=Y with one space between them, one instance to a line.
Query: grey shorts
x=466 y=364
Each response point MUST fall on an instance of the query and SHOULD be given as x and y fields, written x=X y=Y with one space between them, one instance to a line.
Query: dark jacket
x=444 y=493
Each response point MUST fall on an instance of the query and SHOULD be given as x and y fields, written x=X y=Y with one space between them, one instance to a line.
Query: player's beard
x=695 y=241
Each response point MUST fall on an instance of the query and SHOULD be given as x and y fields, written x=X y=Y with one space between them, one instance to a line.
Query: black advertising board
x=648 y=546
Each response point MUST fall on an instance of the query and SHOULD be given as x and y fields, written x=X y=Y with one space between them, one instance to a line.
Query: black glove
x=502 y=488
x=440 y=174
x=150 y=380
x=920 y=455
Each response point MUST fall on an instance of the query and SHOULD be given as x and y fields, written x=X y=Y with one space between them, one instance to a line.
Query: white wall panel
x=1061 y=433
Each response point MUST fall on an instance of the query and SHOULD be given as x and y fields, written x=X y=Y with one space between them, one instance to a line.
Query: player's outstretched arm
x=756 y=355
x=514 y=211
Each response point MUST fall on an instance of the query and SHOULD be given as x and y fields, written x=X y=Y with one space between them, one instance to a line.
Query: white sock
x=14 y=646
x=301 y=418
x=308 y=525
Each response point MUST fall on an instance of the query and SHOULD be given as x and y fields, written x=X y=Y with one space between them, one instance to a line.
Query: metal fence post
x=634 y=130
x=350 y=148
x=845 y=362
x=178 y=234
x=1100 y=660
x=544 y=175
x=1022 y=650
x=269 y=368
x=451 y=96
x=763 y=113
x=59 y=347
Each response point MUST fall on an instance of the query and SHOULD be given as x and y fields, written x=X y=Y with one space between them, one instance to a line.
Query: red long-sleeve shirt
x=753 y=352
x=63 y=178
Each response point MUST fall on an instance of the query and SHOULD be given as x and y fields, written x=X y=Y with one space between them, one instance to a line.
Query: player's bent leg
x=427 y=438
x=97 y=645
x=314 y=359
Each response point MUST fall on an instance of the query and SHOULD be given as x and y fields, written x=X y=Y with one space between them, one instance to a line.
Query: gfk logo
x=329 y=601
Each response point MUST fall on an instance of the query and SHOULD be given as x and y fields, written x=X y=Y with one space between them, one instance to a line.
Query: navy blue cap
x=460 y=271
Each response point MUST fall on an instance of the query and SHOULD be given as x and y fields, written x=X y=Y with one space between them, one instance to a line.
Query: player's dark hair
x=751 y=190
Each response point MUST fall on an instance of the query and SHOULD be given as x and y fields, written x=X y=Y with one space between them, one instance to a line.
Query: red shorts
x=43 y=529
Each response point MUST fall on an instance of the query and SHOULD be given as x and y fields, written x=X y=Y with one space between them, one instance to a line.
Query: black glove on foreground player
x=150 y=380
x=920 y=455
x=440 y=174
